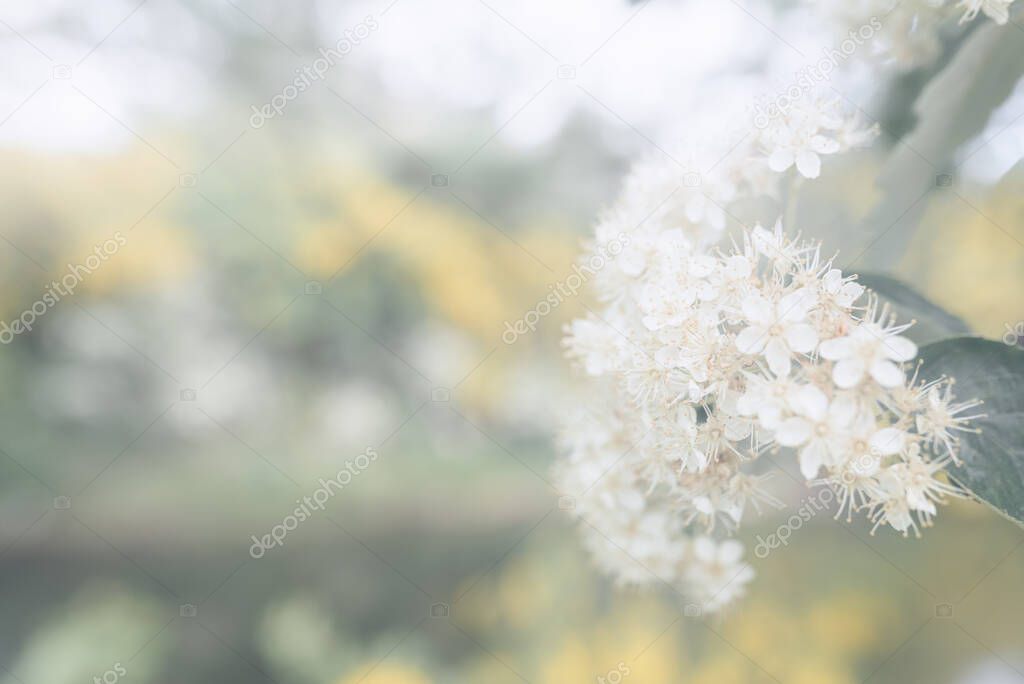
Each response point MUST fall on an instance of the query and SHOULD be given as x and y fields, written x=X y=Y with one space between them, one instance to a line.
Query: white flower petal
x=777 y=354
x=793 y=432
x=793 y=307
x=769 y=416
x=748 y=404
x=899 y=520
x=757 y=309
x=811 y=457
x=842 y=411
x=887 y=441
x=811 y=402
x=752 y=340
x=836 y=349
x=701 y=266
x=899 y=348
x=848 y=373
x=652 y=323
x=823 y=145
x=780 y=160
x=703 y=505
x=919 y=502
x=808 y=164
x=704 y=549
x=849 y=293
x=730 y=551
x=832 y=280
x=886 y=373
x=801 y=338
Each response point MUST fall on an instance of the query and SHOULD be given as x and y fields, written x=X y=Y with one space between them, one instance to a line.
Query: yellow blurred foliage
x=811 y=670
x=151 y=255
x=523 y=594
x=957 y=246
x=60 y=207
x=385 y=673
x=723 y=670
x=847 y=625
x=467 y=270
x=571 y=661
x=825 y=641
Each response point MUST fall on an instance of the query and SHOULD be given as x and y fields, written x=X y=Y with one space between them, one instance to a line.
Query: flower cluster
x=689 y=199
x=910 y=33
x=633 y=536
x=706 y=358
x=810 y=126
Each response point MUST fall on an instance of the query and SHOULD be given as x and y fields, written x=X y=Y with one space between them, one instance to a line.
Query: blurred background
x=282 y=272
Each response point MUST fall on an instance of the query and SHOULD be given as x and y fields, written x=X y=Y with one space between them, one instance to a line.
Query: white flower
x=767 y=398
x=887 y=441
x=596 y=344
x=775 y=245
x=718 y=575
x=637 y=548
x=718 y=431
x=941 y=417
x=868 y=349
x=778 y=330
x=811 y=126
x=822 y=428
x=690 y=363
x=798 y=147
x=894 y=510
x=998 y=10
x=916 y=479
x=909 y=30
x=838 y=291
x=664 y=196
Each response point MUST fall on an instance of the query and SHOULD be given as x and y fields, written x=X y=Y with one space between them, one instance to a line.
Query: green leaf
x=953 y=108
x=933 y=322
x=993 y=459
